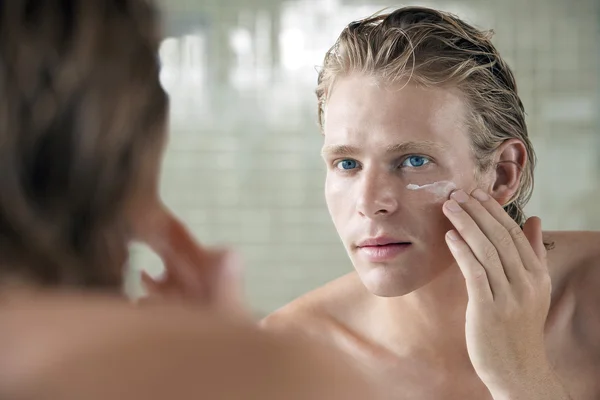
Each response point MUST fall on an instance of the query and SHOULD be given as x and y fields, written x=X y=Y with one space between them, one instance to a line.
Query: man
x=429 y=167
x=83 y=131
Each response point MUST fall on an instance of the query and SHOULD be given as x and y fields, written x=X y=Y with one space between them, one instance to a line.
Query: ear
x=510 y=161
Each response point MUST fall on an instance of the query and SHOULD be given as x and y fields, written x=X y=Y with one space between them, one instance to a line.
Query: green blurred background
x=243 y=165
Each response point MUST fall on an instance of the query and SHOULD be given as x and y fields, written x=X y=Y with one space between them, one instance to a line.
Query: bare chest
x=404 y=379
x=408 y=378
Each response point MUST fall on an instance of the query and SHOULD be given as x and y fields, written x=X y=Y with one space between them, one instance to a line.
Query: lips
x=382 y=249
x=381 y=241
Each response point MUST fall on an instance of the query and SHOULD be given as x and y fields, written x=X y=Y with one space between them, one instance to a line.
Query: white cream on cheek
x=441 y=189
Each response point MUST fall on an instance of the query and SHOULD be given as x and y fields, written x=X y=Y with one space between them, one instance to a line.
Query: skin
x=66 y=346
x=490 y=315
x=60 y=345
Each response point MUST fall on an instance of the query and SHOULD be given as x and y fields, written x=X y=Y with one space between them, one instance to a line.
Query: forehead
x=362 y=108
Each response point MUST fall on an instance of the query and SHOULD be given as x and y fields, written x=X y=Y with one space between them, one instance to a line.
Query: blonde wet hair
x=434 y=48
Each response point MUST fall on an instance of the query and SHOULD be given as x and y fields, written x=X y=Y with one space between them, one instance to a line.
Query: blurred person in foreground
x=82 y=132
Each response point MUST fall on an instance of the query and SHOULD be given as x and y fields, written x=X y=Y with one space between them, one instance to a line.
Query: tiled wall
x=243 y=163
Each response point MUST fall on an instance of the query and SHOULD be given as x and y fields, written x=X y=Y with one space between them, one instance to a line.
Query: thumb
x=227 y=289
x=533 y=232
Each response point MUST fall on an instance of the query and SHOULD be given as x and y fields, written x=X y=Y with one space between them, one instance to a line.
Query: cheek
x=341 y=200
x=335 y=195
x=431 y=193
x=425 y=208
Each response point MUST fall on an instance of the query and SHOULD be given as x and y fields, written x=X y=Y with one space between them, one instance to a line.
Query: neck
x=430 y=319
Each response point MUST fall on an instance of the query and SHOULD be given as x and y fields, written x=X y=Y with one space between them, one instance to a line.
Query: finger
x=152 y=284
x=146 y=278
x=145 y=301
x=480 y=246
x=509 y=256
x=534 y=234
x=228 y=286
x=196 y=272
x=149 y=280
x=183 y=258
x=526 y=252
x=476 y=278
x=162 y=288
x=220 y=273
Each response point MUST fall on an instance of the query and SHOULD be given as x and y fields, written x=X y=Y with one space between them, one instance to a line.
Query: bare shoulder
x=564 y=240
x=108 y=345
x=575 y=261
x=318 y=311
x=571 y=253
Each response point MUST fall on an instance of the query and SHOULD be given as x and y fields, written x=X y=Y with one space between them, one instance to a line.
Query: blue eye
x=346 y=164
x=415 y=161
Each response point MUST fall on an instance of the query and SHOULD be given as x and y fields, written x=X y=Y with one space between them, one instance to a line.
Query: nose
x=376 y=196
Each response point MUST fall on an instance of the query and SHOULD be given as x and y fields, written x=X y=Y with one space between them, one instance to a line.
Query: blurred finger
x=228 y=286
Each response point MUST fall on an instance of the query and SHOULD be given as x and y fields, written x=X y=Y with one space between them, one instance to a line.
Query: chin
x=391 y=281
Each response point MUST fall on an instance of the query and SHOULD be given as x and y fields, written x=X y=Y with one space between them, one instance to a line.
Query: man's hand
x=509 y=292
x=193 y=273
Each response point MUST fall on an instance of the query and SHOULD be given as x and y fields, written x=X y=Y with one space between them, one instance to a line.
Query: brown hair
x=81 y=122
x=430 y=48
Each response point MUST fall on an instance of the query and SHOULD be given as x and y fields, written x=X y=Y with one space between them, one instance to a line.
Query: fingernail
x=480 y=195
x=453 y=206
x=453 y=235
x=460 y=196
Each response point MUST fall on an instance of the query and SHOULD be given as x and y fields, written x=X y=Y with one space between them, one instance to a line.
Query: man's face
x=394 y=153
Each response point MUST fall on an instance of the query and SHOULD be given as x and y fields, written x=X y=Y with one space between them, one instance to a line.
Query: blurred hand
x=193 y=274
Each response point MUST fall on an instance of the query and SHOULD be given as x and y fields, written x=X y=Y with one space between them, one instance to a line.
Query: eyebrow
x=406 y=147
